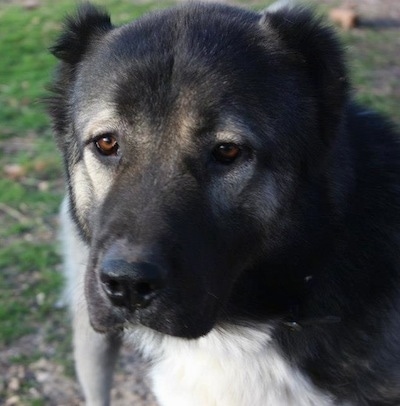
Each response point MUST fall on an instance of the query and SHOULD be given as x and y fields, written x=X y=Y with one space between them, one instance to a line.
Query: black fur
x=322 y=264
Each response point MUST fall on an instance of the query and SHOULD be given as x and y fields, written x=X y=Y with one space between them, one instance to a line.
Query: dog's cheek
x=90 y=184
x=101 y=177
x=226 y=189
x=82 y=194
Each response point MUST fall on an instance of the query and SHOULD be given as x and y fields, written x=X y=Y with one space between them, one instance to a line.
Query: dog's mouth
x=171 y=320
x=118 y=301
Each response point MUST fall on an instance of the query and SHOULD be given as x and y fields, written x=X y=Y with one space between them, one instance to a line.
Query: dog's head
x=189 y=139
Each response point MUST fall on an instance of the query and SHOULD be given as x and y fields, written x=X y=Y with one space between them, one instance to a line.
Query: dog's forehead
x=189 y=48
x=179 y=71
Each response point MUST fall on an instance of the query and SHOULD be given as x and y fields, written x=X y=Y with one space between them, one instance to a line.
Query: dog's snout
x=131 y=284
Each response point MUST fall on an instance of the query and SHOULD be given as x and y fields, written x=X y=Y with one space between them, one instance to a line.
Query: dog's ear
x=89 y=24
x=315 y=46
x=80 y=32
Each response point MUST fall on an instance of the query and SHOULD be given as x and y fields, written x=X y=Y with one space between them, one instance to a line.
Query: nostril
x=145 y=288
x=114 y=289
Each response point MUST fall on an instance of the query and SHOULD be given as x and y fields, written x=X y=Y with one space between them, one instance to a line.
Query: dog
x=230 y=209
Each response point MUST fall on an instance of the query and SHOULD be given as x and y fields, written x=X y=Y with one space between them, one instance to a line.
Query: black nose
x=131 y=284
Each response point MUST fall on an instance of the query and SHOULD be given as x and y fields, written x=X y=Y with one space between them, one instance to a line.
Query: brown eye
x=107 y=145
x=226 y=153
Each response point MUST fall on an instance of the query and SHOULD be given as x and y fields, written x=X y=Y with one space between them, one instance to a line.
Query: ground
x=35 y=353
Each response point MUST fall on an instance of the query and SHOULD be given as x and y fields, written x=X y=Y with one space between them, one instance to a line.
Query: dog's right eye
x=107 y=145
x=226 y=152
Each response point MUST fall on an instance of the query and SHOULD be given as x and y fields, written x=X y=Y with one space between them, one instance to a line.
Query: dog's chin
x=181 y=328
x=113 y=320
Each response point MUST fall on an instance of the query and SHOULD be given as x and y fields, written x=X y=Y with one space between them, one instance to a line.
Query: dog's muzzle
x=131 y=285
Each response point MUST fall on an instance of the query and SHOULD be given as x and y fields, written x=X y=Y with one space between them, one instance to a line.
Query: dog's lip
x=130 y=323
x=117 y=320
x=101 y=328
x=110 y=323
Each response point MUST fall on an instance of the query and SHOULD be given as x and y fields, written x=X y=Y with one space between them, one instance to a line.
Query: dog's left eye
x=226 y=152
x=107 y=145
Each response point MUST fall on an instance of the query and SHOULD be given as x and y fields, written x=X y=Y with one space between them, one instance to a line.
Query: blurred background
x=36 y=365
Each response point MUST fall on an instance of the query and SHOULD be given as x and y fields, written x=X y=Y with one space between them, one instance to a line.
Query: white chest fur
x=229 y=367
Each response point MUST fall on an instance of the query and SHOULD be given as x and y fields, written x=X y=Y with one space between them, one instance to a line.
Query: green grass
x=30 y=281
x=29 y=297
x=372 y=55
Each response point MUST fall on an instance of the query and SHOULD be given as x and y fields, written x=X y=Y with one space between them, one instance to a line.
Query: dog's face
x=188 y=138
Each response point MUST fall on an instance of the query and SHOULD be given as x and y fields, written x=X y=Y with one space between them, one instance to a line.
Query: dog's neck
x=230 y=366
